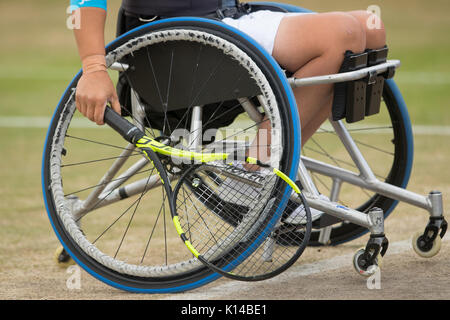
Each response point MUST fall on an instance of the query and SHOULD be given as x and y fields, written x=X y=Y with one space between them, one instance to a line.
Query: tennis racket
x=237 y=215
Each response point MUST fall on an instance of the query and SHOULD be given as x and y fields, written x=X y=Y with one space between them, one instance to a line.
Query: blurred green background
x=38 y=55
x=38 y=58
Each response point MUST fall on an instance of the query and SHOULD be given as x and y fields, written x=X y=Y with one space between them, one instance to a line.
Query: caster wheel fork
x=367 y=261
x=427 y=244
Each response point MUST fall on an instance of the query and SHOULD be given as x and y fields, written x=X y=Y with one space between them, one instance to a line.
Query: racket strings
x=217 y=204
x=280 y=249
x=203 y=229
x=230 y=214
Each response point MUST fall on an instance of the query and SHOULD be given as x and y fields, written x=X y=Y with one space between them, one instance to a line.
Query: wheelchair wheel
x=386 y=142
x=104 y=200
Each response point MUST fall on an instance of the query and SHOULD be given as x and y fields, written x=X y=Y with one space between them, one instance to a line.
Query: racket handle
x=130 y=132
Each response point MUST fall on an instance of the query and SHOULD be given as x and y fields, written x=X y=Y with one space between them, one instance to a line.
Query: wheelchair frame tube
x=106 y=179
x=117 y=66
x=345 y=76
x=118 y=194
x=130 y=172
x=195 y=134
x=377 y=186
x=341 y=212
x=138 y=110
x=325 y=232
x=366 y=178
x=353 y=150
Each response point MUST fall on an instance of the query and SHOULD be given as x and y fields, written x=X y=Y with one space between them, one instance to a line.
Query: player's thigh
x=301 y=38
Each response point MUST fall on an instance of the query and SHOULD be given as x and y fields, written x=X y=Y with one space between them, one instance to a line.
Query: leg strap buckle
x=354 y=100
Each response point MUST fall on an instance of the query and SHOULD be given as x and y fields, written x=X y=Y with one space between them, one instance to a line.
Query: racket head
x=224 y=212
x=232 y=218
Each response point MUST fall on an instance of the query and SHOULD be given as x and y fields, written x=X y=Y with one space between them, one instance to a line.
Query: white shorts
x=262 y=26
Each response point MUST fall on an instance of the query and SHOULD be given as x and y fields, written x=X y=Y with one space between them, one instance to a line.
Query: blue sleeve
x=88 y=3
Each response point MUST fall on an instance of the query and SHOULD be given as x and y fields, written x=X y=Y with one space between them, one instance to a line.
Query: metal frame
x=110 y=191
x=345 y=76
x=366 y=178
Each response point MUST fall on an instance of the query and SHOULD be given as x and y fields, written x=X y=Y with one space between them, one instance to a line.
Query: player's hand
x=95 y=90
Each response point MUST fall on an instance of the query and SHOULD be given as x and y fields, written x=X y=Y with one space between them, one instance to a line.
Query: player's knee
x=373 y=27
x=350 y=34
x=376 y=35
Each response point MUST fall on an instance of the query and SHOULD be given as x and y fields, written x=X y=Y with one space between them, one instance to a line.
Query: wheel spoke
x=105 y=183
x=98 y=160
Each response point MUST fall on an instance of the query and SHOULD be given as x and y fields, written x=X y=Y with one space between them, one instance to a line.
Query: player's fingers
x=79 y=102
x=115 y=104
x=83 y=106
x=99 y=113
x=91 y=105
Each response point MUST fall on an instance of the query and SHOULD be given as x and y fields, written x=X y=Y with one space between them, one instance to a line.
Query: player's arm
x=95 y=88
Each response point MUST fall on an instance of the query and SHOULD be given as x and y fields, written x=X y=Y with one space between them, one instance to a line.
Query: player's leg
x=312 y=45
x=373 y=27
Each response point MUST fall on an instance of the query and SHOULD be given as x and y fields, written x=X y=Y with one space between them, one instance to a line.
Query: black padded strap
x=349 y=97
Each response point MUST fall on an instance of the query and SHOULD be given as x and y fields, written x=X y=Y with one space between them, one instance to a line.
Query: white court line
x=291 y=274
x=422 y=78
x=431 y=130
x=43 y=122
x=401 y=77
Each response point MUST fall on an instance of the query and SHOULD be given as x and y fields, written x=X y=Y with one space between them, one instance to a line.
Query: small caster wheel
x=426 y=249
x=363 y=267
x=62 y=258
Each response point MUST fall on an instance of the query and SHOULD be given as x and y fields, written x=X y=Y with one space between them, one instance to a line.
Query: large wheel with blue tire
x=124 y=237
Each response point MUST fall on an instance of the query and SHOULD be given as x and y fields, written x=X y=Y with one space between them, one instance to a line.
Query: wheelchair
x=202 y=83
